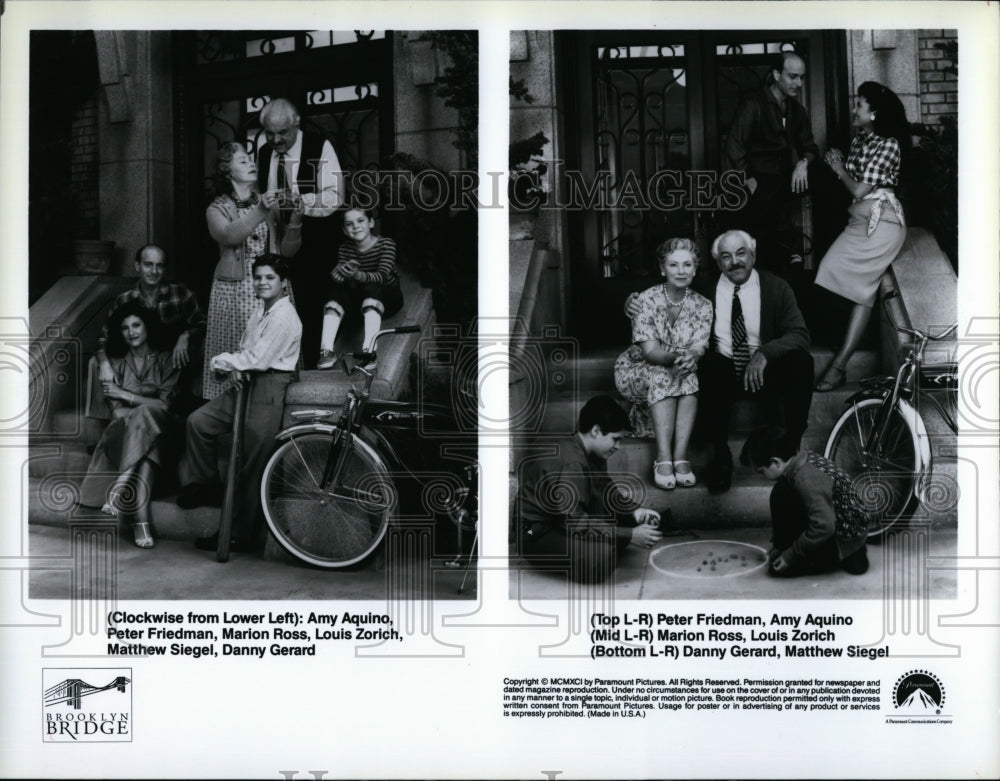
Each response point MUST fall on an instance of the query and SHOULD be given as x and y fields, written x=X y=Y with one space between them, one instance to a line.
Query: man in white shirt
x=270 y=349
x=303 y=164
x=760 y=350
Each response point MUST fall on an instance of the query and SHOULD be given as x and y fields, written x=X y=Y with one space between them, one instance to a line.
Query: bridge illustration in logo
x=73 y=690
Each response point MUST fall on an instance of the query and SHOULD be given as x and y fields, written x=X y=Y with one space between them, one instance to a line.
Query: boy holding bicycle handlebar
x=819 y=522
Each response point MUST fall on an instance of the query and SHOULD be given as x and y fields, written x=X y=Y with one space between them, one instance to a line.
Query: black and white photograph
x=250 y=282
x=746 y=242
x=499 y=389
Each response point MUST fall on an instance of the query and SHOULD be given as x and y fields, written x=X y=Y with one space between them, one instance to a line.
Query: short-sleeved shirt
x=874 y=160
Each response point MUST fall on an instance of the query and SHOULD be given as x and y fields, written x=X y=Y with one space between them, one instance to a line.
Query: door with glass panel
x=341 y=83
x=648 y=114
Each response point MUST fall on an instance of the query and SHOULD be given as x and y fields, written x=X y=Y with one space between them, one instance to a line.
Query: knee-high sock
x=371 y=310
x=331 y=324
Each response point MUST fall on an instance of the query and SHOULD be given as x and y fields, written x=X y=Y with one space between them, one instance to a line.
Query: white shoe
x=666 y=482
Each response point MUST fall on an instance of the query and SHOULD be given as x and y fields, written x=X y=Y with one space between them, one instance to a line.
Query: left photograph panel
x=252 y=291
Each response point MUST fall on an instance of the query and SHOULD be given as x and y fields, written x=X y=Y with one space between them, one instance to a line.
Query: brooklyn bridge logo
x=87 y=705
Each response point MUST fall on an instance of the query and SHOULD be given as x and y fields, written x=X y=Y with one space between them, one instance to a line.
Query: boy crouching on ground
x=819 y=523
x=568 y=507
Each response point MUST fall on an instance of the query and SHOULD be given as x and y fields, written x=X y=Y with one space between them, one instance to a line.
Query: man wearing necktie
x=302 y=164
x=760 y=350
x=770 y=141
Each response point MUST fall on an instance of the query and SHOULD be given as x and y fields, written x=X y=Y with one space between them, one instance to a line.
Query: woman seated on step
x=120 y=477
x=658 y=372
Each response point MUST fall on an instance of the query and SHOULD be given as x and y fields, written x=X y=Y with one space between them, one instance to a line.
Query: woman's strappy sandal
x=684 y=479
x=839 y=377
x=666 y=482
x=143 y=534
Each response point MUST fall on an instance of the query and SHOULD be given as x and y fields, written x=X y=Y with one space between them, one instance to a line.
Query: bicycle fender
x=305 y=428
x=913 y=419
x=926 y=466
x=866 y=393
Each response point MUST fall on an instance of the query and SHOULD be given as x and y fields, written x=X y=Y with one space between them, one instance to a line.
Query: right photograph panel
x=734 y=271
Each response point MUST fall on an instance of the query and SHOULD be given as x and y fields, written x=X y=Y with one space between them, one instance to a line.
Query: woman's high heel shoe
x=666 y=482
x=684 y=479
x=143 y=534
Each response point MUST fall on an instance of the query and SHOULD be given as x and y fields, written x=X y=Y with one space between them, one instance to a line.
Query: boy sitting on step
x=569 y=508
x=819 y=523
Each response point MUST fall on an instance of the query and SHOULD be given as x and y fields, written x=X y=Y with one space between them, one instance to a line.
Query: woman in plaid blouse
x=856 y=260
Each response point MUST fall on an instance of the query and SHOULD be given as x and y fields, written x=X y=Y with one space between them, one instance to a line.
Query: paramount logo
x=88 y=705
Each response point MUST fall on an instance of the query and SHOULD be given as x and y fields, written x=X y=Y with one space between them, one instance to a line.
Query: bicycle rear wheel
x=885 y=481
x=334 y=526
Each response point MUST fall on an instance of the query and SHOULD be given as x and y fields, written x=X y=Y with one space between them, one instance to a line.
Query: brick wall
x=938 y=85
x=83 y=171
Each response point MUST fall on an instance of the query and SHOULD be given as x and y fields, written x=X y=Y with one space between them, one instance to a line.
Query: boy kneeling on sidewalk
x=819 y=523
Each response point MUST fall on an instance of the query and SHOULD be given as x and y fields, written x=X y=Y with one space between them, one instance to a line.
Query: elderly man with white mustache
x=760 y=350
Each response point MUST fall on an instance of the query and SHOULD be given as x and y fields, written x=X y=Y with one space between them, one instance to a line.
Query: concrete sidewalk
x=645 y=574
x=177 y=570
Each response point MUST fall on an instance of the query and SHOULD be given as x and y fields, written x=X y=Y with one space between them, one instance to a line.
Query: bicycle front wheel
x=885 y=480
x=329 y=526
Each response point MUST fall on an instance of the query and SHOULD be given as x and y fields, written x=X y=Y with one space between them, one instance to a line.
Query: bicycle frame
x=402 y=458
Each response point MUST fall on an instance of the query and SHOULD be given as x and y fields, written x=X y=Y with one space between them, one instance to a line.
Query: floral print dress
x=643 y=383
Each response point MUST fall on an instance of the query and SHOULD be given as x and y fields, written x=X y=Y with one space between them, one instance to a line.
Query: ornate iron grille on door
x=340 y=81
x=640 y=128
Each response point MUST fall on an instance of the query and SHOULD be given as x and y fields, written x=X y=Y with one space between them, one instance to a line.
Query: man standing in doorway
x=771 y=142
x=300 y=164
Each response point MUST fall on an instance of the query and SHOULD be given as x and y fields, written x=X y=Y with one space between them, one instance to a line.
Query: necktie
x=741 y=350
x=282 y=180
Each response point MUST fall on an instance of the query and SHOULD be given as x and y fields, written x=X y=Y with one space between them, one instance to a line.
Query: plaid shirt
x=874 y=160
x=176 y=305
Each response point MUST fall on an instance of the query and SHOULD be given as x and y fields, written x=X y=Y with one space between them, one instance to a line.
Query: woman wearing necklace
x=247 y=225
x=658 y=373
x=119 y=479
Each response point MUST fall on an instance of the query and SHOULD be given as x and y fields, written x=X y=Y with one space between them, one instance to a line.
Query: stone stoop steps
x=58 y=457
x=746 y=503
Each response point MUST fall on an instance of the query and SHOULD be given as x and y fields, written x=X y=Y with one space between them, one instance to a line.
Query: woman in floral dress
x=658 y=373
x=247 y=225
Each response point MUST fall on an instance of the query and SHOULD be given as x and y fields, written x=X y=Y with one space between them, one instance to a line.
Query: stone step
x=58 y=458
x=561 y=412
x=50 y=503
x=595 y=370
x=747 y=502
x=595 y=374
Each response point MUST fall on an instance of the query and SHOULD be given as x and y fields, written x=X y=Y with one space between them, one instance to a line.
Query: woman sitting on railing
x=120 y=476
x=856 y=260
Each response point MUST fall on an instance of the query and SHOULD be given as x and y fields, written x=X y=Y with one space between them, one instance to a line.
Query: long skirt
x=134 y=435
x=855 y=262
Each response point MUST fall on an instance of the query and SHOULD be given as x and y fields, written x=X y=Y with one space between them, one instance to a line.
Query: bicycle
x=882 y=438
x=331 y=490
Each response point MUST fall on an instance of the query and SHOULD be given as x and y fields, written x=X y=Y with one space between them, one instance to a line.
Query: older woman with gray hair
x=658 y=372
x=245 y=224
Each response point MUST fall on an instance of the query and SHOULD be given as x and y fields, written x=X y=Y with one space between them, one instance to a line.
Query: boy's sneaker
x=327 y=359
